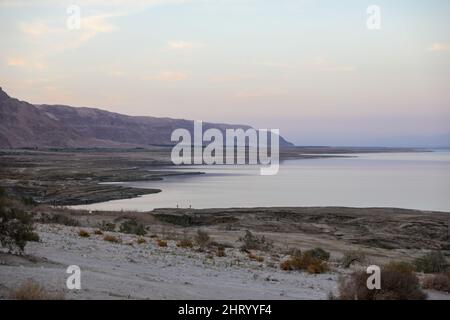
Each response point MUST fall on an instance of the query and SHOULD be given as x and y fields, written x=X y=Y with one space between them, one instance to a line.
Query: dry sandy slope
x=147 y=271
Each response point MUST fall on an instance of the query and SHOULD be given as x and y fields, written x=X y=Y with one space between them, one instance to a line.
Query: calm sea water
x=403 y=180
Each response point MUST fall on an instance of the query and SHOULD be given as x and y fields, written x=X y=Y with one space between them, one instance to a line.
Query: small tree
x=432 y=262
x=318 y=253
x=132 y=227
x=253 y=242
x=202 y=238
x=16 y=228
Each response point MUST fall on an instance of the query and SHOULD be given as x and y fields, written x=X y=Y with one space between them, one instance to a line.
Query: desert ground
x=165 y=260
x=138 y=267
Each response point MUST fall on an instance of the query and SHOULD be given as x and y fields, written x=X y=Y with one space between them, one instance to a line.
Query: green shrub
x=432 y=262
x=252 y=242
x=107 y=226
x=132 y=227
x=32 y=237
x=16 y=228
x=351 y=257
x=318 y=253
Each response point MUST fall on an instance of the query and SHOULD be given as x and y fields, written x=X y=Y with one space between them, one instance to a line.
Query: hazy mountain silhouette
x=26 y=125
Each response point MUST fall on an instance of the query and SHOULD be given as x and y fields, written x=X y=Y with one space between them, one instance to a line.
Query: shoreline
x=61 y=176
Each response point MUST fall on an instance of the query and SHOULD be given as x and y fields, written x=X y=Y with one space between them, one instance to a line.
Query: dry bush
x=305 y=262
x=286 y=265
x=432 y=262
x=202 y=239
x=32 y=290
x=440 y=282
x=397 y=283
x=221 y=252
x=255 y=257
x=60 y=219
x=111 y=238
x=317 y=266
x=400 y=266
x=185 y=243
x=83 y=233
x=98 y=232
x=168 y=234
x=253 y=242
x=353 y=256
x=141 y=241
x=161 y=243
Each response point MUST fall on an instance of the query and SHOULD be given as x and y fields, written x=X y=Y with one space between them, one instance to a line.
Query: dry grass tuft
x=32 y=290
x=305 y=262
x=98 y=232
x=83 y=233
x=141 y=241
x=185 y=243
x=111 y=238
x=161 y=243
x=220 y=252
x=255 y=257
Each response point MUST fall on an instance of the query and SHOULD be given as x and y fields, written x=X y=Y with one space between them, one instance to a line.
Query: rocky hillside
x=26 y=125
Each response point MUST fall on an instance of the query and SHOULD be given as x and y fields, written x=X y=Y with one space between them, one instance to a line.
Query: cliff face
x=25 y=125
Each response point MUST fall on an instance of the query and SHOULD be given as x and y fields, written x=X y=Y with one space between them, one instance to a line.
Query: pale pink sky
x=310 y=68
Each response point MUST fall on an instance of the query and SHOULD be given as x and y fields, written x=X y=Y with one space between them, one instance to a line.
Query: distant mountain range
x=24 y=125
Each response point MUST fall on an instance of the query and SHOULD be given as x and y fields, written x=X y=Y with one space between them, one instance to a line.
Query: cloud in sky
x=136 y=3
x=94 y=25
x=169 y=76
x=259 y=93
x=439 y=46
x=324 y=64
x=38 y=28
x=180 y=45
x=16 y=61
x=20 y=62
x=61 y=38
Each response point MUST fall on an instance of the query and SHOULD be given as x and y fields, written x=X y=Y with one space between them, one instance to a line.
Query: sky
x=313 y=69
